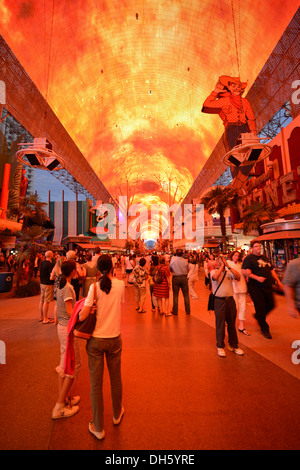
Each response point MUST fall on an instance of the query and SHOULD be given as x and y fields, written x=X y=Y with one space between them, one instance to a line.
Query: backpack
x=157 y=277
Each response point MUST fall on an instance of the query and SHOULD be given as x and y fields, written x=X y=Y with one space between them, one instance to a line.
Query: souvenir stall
x=281 y=240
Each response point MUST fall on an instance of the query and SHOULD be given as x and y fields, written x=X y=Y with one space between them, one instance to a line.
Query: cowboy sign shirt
x=260 y=266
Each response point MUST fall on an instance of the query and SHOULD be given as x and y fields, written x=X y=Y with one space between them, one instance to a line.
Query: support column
x=5 y=191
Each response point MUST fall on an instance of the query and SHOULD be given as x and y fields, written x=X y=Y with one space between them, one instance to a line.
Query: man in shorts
x=47 y=287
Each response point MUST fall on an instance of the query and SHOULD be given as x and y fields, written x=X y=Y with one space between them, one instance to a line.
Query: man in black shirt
x=46 y=287
x=260 y=273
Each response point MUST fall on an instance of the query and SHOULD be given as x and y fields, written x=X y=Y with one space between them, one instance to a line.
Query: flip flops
x=245 y=332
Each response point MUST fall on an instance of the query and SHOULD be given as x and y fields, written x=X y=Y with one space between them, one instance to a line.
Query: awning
x=286 y=234
x=211 y=245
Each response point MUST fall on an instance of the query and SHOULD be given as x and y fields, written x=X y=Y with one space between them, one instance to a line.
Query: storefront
x=281 y=240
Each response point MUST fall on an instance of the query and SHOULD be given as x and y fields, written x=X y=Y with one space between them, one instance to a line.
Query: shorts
x=62 y=332
x=47 y=293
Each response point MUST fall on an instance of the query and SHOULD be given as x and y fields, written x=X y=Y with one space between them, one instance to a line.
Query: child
x=65 y=299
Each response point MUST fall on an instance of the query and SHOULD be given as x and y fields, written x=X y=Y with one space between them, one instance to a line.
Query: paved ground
x=178 y=394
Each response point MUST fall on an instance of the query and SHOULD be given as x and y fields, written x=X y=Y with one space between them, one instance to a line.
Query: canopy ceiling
x=127 y=78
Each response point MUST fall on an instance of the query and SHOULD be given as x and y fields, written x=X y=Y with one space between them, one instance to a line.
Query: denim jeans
x=225 y=313
x=180 y=282
x=111 y=348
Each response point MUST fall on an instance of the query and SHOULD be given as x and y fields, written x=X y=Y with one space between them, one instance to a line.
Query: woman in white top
x=240 y=290
x=192 y=278
x=129 y=265
x=105 y=341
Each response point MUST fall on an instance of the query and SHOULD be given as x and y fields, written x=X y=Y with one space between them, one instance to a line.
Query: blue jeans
x=96 y=349
x=225 y=313
x=180 y=282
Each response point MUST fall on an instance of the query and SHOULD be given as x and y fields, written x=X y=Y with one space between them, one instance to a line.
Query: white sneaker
x=64 y=412
x=221 y=352
x=237 y=351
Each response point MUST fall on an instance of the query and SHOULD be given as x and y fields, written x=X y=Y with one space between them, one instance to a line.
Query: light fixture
x=250 y=151
x=39 y=154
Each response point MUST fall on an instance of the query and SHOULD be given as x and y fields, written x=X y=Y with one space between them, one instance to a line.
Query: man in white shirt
x=179 y=267
x=224 y=306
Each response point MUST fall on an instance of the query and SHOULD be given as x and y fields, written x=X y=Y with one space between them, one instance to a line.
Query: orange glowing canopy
x=127 y=78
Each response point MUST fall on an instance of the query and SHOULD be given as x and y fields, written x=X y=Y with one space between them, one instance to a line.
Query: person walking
x=65 y=406
x=179 y=268
x=90 y=273
x=153 y=267
x=224 y=306
x=192 y=278
x=260 y=273
x=291 y=287
x=129 y=265
x=46 y=286
x=56 y=276
x=161 y=291
x=105 y=341
x=140 y=276
x=79 y=275
x=240 y=290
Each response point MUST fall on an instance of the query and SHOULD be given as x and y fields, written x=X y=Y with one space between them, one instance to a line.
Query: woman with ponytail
x=105 y=341
x=65 y=300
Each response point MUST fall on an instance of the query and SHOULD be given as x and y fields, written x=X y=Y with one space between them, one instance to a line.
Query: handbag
x=158 y=277
x=84 y=329
x=211 y=298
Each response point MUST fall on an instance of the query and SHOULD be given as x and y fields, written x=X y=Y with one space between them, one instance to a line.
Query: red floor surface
x=178 y=393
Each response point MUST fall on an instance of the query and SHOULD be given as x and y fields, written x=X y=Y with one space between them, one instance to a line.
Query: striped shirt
x=62 y=295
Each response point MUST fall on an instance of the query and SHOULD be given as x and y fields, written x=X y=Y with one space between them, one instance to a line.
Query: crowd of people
x=233 y=280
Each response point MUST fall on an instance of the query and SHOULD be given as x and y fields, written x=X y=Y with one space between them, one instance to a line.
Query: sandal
x=245 y=332
x=142 y=311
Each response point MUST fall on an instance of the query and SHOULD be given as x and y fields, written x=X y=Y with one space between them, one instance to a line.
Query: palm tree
x=255 y=215
x=30 y=241
x=30 y=210
x=34 y=230
x=217 y=200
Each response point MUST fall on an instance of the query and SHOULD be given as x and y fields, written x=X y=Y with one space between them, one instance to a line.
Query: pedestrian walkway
x=178 y=393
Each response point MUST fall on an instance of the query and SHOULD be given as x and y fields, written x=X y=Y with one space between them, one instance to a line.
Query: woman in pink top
x=106 y=341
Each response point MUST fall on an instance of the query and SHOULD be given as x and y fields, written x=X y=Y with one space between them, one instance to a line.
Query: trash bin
x=6 y=282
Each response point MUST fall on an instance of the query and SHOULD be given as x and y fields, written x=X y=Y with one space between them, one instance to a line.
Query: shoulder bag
x=211 y=298
x=84 y=329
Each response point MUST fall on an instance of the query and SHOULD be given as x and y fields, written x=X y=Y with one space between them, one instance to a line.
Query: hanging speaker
x=32 y=159
x=234 y=160
x=53 y=164
x=254 y=155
